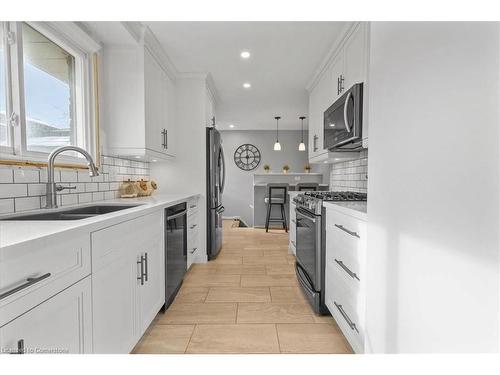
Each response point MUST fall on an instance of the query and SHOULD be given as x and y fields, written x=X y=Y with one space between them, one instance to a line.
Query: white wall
x=433 y=189
x=238 y=194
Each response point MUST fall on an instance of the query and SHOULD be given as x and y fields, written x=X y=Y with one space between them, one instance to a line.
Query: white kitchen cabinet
x=139 y=103
x=345 y=273
x=347 y=66
x=128 y=281
x=61 y=324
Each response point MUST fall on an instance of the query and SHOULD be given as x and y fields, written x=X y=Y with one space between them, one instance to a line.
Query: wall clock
x=247 y=157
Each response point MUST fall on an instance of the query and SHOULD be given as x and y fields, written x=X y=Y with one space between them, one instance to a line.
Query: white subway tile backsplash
x=68 y=199
x=36 y=189
x=350 y=175
x=23 y=188
x=109 y=195
x=6 y=206
x=6 y=175
x=84 y=197
x=68 y=175
x=26 y=204
x=90 y=187
x=25 y=175
x=13 y=190
x=103 y=186
x=98 y=196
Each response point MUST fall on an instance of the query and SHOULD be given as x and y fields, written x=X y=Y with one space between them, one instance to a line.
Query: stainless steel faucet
x=52 y=188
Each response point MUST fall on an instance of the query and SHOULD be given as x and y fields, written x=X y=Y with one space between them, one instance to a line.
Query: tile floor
x=246 y=301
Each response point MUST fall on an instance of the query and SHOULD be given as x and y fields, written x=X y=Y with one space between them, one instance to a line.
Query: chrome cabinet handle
x=346 y=121
x=141 y=276
x=346 y=269
x=146 y=272
x=338 y=85
x=29 y=282
x=193 y=226
x=351 y=324
x=194 y=249
x=165 y=139
x=341 y=227
x=341 y=80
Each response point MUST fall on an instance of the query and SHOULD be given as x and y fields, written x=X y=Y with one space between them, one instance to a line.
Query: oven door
x=342 y=121
x=308 y=245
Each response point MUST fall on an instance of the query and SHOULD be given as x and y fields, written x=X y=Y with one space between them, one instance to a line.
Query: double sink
x=70 y=214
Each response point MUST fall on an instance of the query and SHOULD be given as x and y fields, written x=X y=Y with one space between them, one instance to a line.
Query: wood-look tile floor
x=246 y=301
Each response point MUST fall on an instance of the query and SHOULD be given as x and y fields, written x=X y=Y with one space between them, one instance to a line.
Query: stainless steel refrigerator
x=216 y=179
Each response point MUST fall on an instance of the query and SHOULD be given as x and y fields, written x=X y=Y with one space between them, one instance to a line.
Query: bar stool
x=307 y=186
x=276 y=196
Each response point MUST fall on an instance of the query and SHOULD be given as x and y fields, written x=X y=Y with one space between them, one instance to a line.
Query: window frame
x=75 y=41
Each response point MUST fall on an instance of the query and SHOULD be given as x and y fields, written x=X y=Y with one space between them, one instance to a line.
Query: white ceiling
x=284 y=56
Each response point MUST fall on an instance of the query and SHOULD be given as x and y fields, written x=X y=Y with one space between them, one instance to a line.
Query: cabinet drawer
x=348 y=310
x=107 y=243
x=34 y=272
x=61 y=324
x=346 y=241
x=192 y=205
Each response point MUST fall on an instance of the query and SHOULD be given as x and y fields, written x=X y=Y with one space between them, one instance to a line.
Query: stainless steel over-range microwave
x=343 y=121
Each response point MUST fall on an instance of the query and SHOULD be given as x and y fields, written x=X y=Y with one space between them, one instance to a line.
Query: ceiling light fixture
x=247 y=85
x=245 y=54
x=231 y=126
x=277 y=146
x=302 y=145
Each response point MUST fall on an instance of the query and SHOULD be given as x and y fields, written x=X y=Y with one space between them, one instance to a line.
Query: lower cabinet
x=344 y=274
x=193 y=244
x=61 y=324
x=128 y=281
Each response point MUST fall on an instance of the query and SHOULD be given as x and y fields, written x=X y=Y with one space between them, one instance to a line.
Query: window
x=49 y=92
x=47 y=79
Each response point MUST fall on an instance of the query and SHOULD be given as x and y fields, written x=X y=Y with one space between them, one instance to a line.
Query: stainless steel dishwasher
x=175 y=250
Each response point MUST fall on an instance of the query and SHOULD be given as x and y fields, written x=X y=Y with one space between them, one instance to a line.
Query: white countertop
x=19 y=232
x=356 y=209
x=290 y=183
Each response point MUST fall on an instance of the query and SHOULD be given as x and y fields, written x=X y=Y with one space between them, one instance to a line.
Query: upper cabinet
x=139 y=103
x=347 y=66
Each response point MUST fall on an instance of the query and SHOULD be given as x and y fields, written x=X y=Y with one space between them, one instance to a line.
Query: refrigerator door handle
x=223 y=169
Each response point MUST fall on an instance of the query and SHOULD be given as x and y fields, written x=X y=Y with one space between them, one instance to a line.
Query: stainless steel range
x=310 y=241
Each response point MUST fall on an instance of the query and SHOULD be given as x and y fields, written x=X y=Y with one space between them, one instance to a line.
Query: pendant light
x=277 y=146
x=302 y=146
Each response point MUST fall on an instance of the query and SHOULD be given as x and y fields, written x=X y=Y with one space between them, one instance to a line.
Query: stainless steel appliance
x=310 y=242
x=175 y=250
x=216 y=179
x=343 y=120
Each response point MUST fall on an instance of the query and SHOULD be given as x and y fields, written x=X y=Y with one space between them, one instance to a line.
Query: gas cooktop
x=312 y=201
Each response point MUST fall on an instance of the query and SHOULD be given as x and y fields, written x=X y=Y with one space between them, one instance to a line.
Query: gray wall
x=238 y=193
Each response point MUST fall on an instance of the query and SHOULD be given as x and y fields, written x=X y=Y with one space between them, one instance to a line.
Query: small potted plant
x=267 y=168
x=307 y=168
x=286 y=168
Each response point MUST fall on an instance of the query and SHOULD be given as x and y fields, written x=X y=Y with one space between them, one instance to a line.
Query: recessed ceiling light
x=137 y=157
x=247 y=85
x=245 y=54
x=154 y=160
x=231 y=126
x=332 y=125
